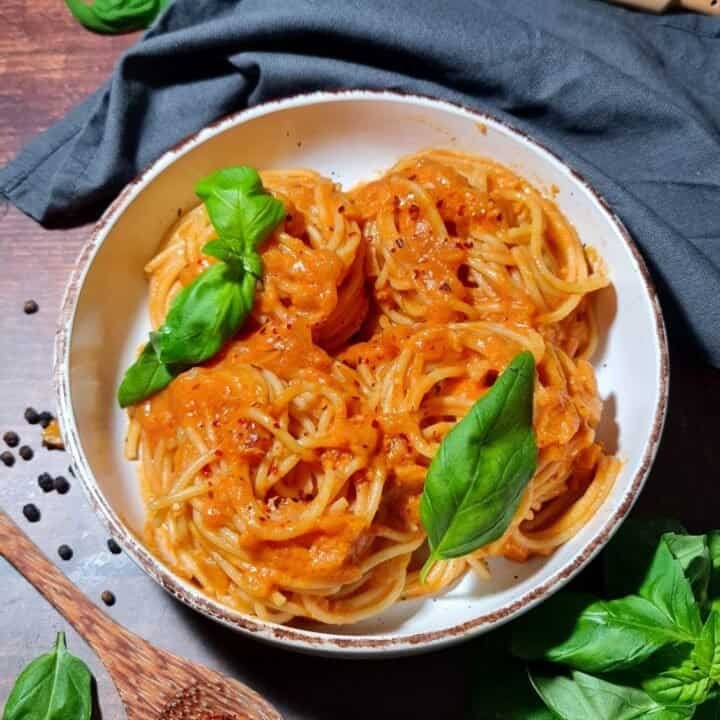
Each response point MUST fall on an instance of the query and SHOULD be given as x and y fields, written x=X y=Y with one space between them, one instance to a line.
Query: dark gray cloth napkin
x=631 y=100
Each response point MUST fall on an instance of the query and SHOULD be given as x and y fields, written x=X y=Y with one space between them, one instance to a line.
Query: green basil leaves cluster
x=477 y=477
x=111 y=17
x=55 y=686
x=211 y=309
x=654 y=653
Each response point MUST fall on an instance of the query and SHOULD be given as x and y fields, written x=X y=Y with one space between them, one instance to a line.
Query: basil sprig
x=110 y=17
x=654 y=653
x=478 y=475
x=55 y=686
x=211 y=309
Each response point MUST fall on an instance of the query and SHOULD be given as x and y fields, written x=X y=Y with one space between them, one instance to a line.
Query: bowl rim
x=298 y=638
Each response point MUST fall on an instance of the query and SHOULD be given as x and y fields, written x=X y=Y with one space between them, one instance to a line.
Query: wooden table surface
x=47 y=64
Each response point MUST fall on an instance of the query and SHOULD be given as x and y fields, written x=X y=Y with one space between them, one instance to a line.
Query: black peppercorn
x=45 y=418
x=26 y=452
x=31 y=513
x=7 y=458
x=107 y=597
x=61 y=484
x=113 y=547
x=30 y=307
x=11 y=438
x=32 y=416
x=45 y=482
x=65 y=552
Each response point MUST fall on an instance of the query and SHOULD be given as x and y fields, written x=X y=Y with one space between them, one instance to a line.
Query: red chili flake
x=219 y=453
x=439 y=203
x=445 y=286
x=399 y=242
x=414 y=212
x=341 y=209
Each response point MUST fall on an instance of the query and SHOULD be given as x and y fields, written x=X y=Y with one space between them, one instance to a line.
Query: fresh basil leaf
x=693 y=554
x=666 y=587
x=706 y=653
x=55 y=686
x=713 y=541
x=147 y=375
x=624 y=570
x=585 y=697
x=204 y=316
x=683 y=685
x=241 y=211
x=249 y=261
x=478 y=475
x=115 y=16
x=594 y=635
x=501 y=691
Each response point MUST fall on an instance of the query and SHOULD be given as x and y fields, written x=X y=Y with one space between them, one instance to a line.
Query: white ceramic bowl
x=350 y=136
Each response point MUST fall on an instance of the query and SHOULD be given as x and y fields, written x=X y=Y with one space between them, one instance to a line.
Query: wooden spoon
x=153 y=684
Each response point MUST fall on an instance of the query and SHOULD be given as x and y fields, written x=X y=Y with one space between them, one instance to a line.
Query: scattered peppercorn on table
x=49 y=64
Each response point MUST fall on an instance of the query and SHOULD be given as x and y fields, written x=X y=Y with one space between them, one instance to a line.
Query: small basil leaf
x=706 y=654
x=147 y=375
x=624 y=571
x=204 y=315
x=713 y=541
x=666 y=587
x=241 y=211
x=249 y=262
x=222 y=251
x=501 y=691
x=682 y=685
x=55 y=686
x=115 y=16
x=478 y=475
x=585 y=697
x=594 y=635
x=693 y=554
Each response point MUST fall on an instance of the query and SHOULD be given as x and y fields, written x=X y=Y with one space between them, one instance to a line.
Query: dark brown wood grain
x=153 y=684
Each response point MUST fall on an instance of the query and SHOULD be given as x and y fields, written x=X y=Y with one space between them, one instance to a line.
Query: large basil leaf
x=595 y=635
x=625 y=569
x=476 y=479
x=147 y=375
x=241 y=211
x=684 y=685
x=706 y=654
x=204 y=316
x=693 y=554
x=55 y=686
x=585 y=697
x=115 y=16
x=666 y=587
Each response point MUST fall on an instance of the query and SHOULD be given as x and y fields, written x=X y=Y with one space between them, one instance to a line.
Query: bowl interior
x=354 y=137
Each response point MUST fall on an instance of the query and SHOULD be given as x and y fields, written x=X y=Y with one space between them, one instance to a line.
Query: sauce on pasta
x=284 y=476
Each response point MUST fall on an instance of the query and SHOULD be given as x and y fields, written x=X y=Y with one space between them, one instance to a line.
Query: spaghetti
x=284 y=476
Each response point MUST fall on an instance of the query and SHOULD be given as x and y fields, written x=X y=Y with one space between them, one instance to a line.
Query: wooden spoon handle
x=90 y=622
